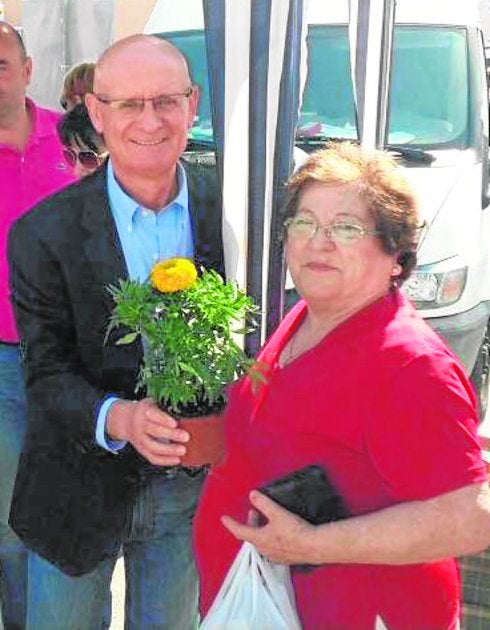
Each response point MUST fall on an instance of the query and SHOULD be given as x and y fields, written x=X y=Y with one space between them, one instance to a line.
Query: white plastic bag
x=257 y=594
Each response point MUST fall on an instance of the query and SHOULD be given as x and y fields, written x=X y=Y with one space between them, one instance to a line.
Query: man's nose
x=149 y=115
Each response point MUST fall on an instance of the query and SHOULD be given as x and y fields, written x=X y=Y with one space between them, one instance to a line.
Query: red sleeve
x=425 y=441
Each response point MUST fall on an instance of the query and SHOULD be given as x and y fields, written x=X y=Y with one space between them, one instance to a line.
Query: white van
x=437 y=126
x=439 y=98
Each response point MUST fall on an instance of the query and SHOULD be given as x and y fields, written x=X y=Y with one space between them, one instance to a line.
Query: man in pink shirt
x=31 y=168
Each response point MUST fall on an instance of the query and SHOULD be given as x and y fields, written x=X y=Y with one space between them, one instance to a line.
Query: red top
x=386 y=408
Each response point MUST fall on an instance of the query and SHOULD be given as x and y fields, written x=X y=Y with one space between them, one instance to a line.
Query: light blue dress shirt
x=146 y=237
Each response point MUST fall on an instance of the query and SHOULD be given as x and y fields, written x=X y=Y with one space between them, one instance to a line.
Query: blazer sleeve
x=60 y=397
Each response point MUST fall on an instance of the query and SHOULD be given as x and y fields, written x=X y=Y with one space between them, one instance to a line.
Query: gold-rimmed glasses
x=162 y=104
x=340 y=231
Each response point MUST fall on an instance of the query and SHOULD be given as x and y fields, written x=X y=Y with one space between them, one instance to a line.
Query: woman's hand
x=448 y=525
x=285 y=538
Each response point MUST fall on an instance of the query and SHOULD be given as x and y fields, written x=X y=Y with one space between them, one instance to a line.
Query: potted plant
x=186 y=322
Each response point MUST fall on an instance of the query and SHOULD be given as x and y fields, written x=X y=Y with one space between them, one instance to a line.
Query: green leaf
x=190 y=353
x=127 y=339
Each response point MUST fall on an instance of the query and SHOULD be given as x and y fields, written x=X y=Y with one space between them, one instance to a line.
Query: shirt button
x=145 y=213
x=130 y=228
x=155 y=256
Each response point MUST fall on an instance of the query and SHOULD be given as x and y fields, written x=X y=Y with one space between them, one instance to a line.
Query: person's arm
x=419 y=435
x=452 y=524
x=101 y=436
x=58 y=390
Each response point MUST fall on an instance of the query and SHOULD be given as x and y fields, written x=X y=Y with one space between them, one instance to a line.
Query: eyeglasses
x=344 y=232
x=162 y=104
x=87 y=158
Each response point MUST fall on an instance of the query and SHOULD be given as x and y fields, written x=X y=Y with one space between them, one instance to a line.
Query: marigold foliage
x=190 y=355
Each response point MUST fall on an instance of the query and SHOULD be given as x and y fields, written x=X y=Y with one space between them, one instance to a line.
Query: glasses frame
x=327 y=230
x=84 y=156
x=115 y=103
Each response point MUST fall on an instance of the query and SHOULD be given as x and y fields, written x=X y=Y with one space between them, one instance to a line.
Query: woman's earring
x=396 y=270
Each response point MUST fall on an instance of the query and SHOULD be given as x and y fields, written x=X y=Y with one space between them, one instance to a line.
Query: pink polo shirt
x=26 y=178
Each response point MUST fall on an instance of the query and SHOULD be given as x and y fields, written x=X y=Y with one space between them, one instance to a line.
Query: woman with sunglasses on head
x=358 y=383
x=84 y=148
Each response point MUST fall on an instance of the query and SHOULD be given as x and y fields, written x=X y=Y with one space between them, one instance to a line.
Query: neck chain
x=291 y=355
x=296 y=346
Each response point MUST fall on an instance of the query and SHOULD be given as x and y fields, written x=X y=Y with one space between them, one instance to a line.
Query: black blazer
x=71 y=497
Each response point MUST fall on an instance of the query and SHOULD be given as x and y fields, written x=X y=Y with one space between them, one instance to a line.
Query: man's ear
x=28 y=69
x=93 y=108
x=193 y=105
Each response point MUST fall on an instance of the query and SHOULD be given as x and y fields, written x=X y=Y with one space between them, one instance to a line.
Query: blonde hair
x=78 y=81
x=379 y=181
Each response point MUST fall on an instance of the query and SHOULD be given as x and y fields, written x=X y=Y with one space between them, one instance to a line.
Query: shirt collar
x=121 y=203
x=42 y=124
x=127 y=206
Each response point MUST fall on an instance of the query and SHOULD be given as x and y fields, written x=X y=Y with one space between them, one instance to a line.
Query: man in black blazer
x=94 y=473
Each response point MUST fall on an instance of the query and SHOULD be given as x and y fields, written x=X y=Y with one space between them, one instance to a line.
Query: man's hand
x=285 y=538
x=152 y=432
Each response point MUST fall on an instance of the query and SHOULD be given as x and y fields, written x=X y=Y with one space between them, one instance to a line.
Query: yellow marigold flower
x=175 y=274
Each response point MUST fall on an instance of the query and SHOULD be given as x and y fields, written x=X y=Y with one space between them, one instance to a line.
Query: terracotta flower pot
x=207 y=442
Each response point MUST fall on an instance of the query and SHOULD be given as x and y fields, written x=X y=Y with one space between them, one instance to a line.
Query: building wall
x=13 y=11
x=131 y=15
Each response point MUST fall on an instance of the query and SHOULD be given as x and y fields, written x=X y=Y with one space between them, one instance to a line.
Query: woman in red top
x=357 y=383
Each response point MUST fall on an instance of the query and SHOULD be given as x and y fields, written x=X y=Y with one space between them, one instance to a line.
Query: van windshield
x=429 y=99
x=429 y=96
x=193 y=45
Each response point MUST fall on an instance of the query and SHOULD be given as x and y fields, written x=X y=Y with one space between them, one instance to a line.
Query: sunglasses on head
x=86 y=157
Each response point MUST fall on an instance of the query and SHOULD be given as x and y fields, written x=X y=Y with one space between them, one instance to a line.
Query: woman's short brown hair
x=77 y=82
x=379 y=181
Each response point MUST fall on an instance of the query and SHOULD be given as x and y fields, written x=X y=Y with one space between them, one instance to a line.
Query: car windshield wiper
x=321 y=138
x=411 y=154
x=198 y=144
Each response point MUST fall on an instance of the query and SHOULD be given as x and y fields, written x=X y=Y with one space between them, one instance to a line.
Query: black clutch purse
x=308 y=493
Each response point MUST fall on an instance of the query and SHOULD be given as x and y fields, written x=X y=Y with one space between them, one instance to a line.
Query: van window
x=328 y=103
x=193 y=45
x=430 y=87
x=429 y=98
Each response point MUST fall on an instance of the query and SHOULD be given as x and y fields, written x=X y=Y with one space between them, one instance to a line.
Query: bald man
x=31 y=167
x=95 y=474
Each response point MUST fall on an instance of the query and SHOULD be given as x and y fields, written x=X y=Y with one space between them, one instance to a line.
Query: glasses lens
x=166 y=103
x=70 y=156
x=88 y=159
x=129 y=107
x=302 y=228
x=346 y=232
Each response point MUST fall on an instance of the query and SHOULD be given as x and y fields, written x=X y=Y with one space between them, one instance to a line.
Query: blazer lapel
x=101 y=245
x=205 y=209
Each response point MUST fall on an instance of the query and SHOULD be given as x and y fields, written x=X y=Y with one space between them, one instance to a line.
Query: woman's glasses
x=87 y=158
x=344 y=232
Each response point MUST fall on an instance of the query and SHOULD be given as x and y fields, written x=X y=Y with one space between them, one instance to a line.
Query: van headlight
x=433 y=290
